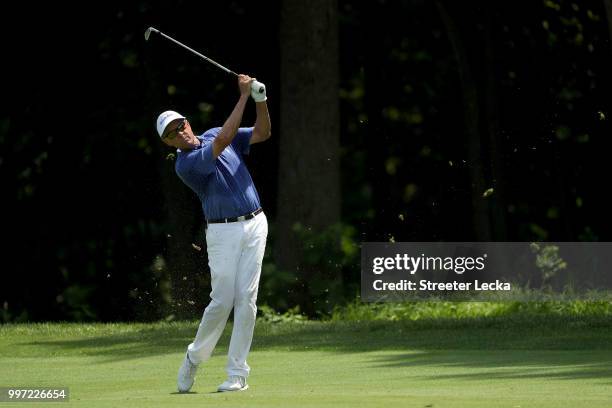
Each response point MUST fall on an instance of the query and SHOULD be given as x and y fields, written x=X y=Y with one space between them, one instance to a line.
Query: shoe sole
x=246 y=387
x=182 y=390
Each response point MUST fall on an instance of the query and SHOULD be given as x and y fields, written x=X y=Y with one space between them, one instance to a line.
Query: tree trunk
x=608 y=4
x=481 y=220
x=374 y=101
x=497 y=201
x=182 y=215
x=182 y=262
x=309 y=170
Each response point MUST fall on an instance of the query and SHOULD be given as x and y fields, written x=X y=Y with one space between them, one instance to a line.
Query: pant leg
x=224 y=247
x=245 y=297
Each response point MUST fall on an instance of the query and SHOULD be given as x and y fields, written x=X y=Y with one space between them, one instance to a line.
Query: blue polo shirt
x=224 y=185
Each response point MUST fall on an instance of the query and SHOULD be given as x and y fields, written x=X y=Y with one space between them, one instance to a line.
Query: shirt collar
x=201 y=139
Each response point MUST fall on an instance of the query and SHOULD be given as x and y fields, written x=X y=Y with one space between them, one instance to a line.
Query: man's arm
x=263 y=128
x=231 y=125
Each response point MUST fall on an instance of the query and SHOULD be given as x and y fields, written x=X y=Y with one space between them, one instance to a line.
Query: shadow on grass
x=507 y=364
x=523 y=345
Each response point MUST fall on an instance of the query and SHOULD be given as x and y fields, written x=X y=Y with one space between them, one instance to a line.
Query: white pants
x=235 y=254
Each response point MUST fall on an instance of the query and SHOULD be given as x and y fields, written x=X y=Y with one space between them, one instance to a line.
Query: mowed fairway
x=472 y=363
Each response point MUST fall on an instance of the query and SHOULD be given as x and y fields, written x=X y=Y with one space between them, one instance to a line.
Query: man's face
x=178 y=134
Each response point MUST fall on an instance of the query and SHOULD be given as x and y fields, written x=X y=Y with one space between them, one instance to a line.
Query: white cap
x=165 y=118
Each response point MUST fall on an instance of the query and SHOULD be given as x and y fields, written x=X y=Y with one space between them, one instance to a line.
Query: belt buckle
x=241 y=218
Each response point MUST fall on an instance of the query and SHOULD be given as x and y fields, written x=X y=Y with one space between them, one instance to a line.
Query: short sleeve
x=242 y=140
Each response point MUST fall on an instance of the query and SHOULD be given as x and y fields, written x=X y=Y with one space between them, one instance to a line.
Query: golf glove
x=258 y=91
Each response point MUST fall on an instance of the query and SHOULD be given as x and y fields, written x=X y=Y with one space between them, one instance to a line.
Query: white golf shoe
x=234 y=383
x=186 y=375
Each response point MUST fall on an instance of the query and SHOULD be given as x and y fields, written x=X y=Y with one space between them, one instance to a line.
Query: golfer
x=212 y=166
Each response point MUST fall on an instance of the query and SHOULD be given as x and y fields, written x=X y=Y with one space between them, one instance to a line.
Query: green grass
x=504 y=359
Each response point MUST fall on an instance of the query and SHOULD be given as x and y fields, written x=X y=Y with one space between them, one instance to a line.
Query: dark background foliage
x=92 y=208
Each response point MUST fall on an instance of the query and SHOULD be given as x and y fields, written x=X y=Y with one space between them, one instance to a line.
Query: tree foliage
x=98 y=227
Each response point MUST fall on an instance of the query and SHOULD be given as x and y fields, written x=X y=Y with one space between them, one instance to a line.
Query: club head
x=148 y=33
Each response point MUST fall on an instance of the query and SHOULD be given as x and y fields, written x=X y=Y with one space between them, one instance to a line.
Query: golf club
x=256 y=85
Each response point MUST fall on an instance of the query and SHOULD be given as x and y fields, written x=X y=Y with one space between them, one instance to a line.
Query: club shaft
x=229 y=71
